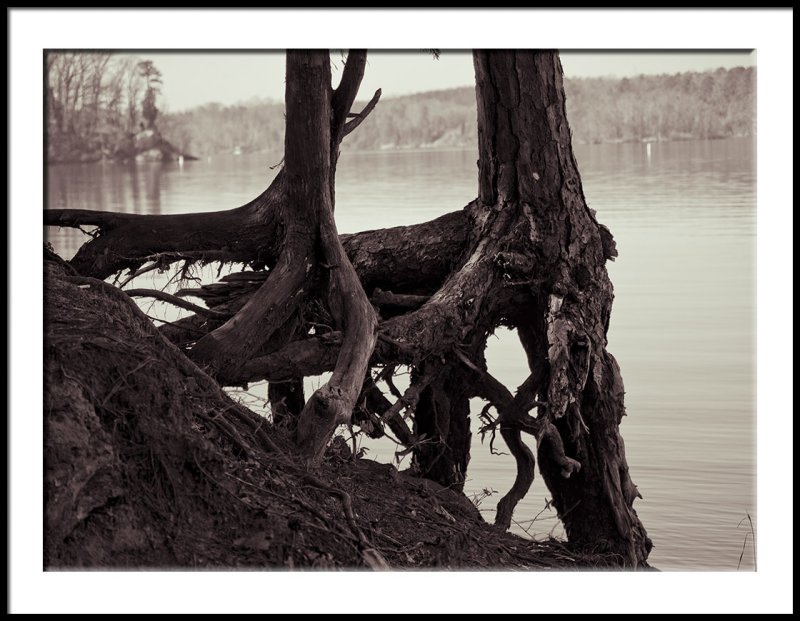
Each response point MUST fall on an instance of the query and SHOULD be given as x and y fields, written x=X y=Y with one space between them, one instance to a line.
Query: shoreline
x=401 y=149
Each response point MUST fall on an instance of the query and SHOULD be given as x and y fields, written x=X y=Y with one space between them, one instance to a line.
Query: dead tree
x=527 y=253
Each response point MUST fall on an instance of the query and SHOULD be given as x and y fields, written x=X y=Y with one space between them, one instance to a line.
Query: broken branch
x=351 y=126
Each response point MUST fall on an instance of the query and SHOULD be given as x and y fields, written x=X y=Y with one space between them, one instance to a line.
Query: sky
x=195 y=78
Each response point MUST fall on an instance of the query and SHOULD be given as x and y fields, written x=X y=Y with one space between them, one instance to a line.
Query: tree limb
x=311 y=152
x=376 y=403
x=351 y=125
x=106 y=220
x=525 y=463
x=411 y=395
x=306 y=358
x=513 y=419
x=345 y=94
x=250 y=233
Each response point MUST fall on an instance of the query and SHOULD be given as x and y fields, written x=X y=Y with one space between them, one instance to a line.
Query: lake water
x=682 y=327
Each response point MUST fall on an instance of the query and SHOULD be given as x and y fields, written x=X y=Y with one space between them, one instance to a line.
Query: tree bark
x=527 y=165
x=310 y=158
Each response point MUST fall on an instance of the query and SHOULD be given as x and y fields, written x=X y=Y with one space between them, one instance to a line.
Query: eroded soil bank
x=149 y=464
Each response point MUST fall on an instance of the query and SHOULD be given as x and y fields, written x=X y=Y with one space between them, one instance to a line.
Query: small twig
x=744 y=544
x=571 y=509
x=315 y=324
x=176 y=301
x=527 y=530
x=93 y=233
x=172 y=323
x=386 y=372
x=741 y=556
x=386 y=434
x=546 y=508
x=139 y=272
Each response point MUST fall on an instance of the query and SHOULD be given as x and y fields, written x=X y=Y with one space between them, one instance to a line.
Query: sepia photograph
x=318 y=310
x=379 y=323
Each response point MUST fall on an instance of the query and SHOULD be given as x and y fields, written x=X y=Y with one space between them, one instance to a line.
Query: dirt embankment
x=149 y=464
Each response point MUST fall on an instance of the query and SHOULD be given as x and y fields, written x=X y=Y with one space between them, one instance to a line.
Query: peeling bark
x=527 y=164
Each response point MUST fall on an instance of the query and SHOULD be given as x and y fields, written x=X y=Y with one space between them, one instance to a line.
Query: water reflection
x=136 y=188
x=135 y=194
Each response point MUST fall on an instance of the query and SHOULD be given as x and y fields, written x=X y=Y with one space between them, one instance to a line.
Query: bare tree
x=152 y=79
x=92 y=99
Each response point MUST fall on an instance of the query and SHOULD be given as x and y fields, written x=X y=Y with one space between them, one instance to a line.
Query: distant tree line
x=213 y=128
x=97 y=101
x=711 y=104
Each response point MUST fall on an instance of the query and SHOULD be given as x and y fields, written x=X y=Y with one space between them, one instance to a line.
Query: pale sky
x=194 y=78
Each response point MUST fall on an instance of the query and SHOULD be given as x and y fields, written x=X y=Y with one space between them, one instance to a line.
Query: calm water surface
x=682 y=328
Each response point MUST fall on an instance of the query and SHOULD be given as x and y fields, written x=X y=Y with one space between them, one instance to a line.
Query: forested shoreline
x=707 y=105
x=101 y=106
x=97 y=104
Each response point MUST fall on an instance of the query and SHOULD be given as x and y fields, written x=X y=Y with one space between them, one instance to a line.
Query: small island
x=103 y=108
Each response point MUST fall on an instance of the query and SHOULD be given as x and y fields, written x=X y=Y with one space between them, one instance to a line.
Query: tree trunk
x=310 y=158
x=441 y=418
x=307 y=171
x=286 y=400
x=526 y=164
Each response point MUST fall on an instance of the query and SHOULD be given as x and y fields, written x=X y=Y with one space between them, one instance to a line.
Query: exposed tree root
x=528 y=253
